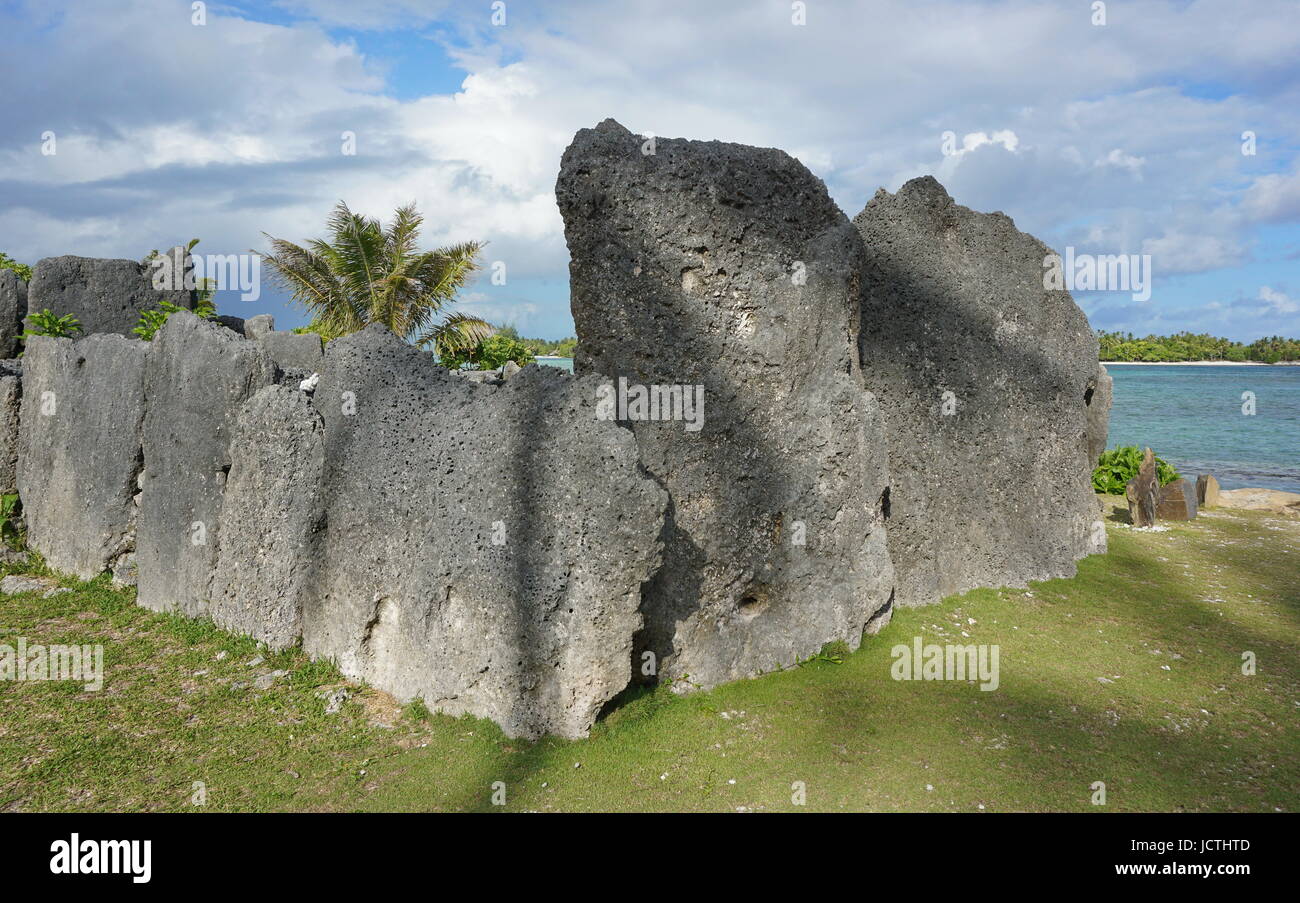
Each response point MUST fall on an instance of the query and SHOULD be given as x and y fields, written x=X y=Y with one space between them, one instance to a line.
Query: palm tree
x=368 y=274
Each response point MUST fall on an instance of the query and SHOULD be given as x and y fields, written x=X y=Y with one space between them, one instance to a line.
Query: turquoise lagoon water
x=564 y=363
x=1192 y=417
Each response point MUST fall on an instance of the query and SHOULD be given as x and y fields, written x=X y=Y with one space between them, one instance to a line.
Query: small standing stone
x=1207 y=491
x=1177 y=501
x=1143 y=492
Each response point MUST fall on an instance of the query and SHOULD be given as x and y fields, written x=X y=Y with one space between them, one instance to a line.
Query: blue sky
x=1122 y=138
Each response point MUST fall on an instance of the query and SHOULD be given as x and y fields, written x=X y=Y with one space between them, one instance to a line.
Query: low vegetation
x=1130 y=673
x=8 y=263
x=48 y=323
x=1119 y=465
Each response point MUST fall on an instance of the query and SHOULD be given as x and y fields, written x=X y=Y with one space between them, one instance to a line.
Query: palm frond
x=458 y=332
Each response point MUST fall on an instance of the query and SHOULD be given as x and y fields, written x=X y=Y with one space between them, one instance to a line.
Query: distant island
x=1186 y=347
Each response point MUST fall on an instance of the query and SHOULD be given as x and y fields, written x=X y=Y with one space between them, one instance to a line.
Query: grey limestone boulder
x=270 y=517
x=11 y=394
x=13 y=307
x=727 y=270
x=985 y=378
x=293 y=350
x=79 y=449
x=485 y=547
x=258 y=326
x=198 y=376
x=1097 y=398
x=110 y=295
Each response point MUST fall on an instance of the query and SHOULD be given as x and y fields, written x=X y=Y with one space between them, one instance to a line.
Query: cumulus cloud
x=1082 y=134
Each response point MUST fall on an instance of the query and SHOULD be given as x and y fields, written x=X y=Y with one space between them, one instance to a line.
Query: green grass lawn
x=1164 y=617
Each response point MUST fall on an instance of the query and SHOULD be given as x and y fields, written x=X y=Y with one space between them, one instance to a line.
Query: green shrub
x=49 y=324
x=1119 y=465
x=8 y=263
x=10 y=509
x=152 y=320
x=489 y=354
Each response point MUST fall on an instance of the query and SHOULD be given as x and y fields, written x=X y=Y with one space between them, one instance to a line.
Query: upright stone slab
x=1177 y=501
x=1143 y=492
x=987 y=381
x=270 y=517
x=1097 y=399
x=79 y=449
x=485 y=546
x=198 y=376
x=109 y=295
x=13 y=307
x=726 y=267
x=11 y=395
x=293 y=350
x=1207 y=491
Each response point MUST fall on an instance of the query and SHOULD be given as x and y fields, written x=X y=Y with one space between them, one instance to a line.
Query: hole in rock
x=1087 y=396
x=884 y=503
x=751 y=605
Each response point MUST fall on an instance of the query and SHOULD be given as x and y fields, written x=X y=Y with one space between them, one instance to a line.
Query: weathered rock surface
x=11 y=396
x=1097 y=398
x=729 y=268
x=983 y=377
x=1207 y=491
x=1143 y=493
x=15 y=584
x=234 y=324
x=258 y=326
x=1275 y=500
x=109 y=295
x=270 y=517
x=79 y=449
x=1177 y=501
x=485 y=547
x=292 y=350
x=197 y=377
x=13 y=307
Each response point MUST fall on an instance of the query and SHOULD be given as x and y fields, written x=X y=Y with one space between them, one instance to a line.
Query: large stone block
x=13 y=307
x=729 y=268
x=109 y=295
x=485 y=546
x=79 y=449
x=198 y=376
x=293 y=350
x=1177 y=501
x=1097 y=399
x=984 y=378
x=270 y=517
x=11 y=396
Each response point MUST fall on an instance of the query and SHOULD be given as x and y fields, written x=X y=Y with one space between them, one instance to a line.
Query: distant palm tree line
x=1187 y=346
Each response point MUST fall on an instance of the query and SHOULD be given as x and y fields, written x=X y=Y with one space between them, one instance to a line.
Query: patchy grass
x=1164 y=618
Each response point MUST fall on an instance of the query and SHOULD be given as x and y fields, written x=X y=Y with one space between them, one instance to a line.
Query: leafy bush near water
x=1119 y=465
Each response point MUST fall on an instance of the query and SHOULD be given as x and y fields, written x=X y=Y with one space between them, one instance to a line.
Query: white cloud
x=233 y=128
